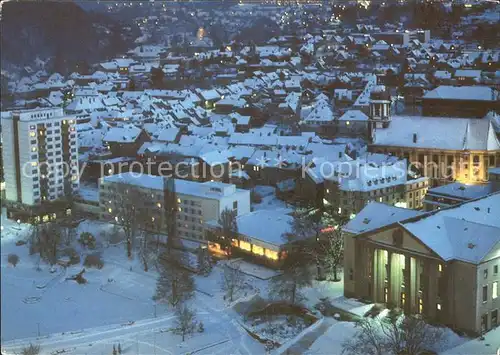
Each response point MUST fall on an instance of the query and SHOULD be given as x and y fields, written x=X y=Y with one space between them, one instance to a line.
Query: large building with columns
x=442 y=264
x=443 y=149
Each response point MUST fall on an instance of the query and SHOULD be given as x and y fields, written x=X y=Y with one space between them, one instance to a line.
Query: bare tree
x=143 y=252
x=175 y=283
x=366 y=341
x=185 y=322
x=228 y=230
x=409 y=335
x=32 y=349
x=127 y=214
x=49 y=238
x=68 y=234
x=295 y=273
x=320 y=229
x=232 y=280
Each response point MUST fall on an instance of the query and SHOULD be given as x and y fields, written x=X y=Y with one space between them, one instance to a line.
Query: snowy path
x=304 y=343
x=230 y=337
x=89 y=336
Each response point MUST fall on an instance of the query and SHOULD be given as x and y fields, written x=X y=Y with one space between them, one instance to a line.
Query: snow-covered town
x=250 y=177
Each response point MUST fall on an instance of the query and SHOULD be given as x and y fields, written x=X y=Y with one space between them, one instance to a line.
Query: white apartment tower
x=40 y=156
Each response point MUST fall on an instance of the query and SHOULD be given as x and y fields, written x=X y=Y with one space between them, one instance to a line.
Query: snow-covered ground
x=489 y=346
x=115 y=306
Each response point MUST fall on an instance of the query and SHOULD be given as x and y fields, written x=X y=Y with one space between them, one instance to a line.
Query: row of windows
x=187 y=218
x=495 y=271
x=190 y=211
x=189 y=202
x=494 y=291
x=192 y=227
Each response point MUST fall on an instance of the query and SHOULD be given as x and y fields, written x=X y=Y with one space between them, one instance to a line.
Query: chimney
x=414 y=138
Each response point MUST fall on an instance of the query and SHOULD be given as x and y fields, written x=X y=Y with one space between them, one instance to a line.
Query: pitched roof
x=434 y=132
x=377 y=215
x=476 y=93
x=467 y=232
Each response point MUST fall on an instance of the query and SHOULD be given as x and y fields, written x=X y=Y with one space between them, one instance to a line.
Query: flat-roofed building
x=196 y=202
x=261 y=235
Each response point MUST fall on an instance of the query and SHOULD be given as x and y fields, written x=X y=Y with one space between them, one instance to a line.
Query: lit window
x=348 y=123
x=178 y=200
x=32 y=134
x=245 y=245
x=74 y=177
x=439 y=306
x=152 y=219
x=110 y=210
x=159 y=205
x=34 y=163
x=440 y=268
x=327 y=191
x=494 y=292
x=33 y=149
x=271 y=254
x=258 y=250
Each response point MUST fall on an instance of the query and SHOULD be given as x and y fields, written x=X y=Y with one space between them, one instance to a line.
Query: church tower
x=380 y=107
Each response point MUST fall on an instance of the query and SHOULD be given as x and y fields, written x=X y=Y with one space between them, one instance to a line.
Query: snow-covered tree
x=232 y=280
x=185 y=323
x=175 y=283
x=393 y=334
x=204 y=261
x=295 y=273
x=127 y=215
x=227 y=231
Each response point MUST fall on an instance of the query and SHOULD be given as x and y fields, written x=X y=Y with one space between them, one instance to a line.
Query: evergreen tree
x=175 y=283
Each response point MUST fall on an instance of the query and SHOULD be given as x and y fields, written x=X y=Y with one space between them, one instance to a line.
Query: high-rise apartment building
x=40 y=157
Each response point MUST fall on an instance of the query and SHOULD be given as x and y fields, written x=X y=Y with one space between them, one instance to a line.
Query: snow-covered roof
x=209 y=190
x=322 y=112
x=354 y=115
x=126 y=134
x=266 y=225
x=464 y=191
x=377 y=215
x=434 y=132
x=167 y=135
x=468 y=232
x=477 y=93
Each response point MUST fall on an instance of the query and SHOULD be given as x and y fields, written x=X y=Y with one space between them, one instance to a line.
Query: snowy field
x=116 y=306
